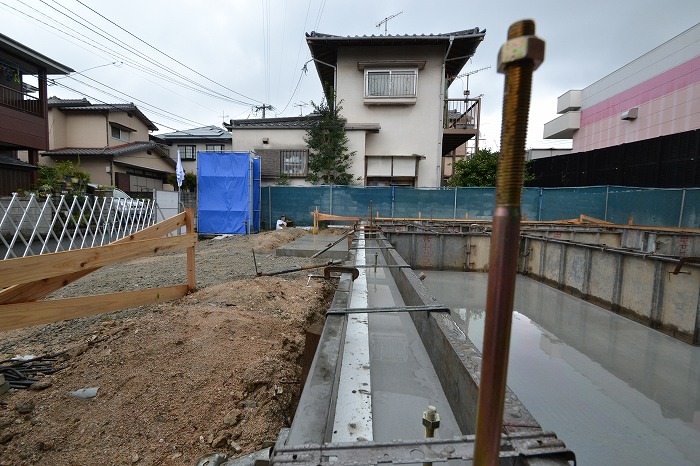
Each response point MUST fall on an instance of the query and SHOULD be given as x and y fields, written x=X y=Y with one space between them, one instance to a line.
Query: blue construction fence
x=616 y=204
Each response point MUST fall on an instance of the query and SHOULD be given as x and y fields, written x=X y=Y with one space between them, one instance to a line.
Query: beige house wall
x=405 y=129
x=140 y=130
x=144 y=160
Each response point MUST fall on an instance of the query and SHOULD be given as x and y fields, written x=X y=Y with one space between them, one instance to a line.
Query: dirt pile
x=217 y=370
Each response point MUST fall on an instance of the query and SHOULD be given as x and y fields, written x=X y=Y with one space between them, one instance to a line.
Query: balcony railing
x=19 y=100
x=461 y=113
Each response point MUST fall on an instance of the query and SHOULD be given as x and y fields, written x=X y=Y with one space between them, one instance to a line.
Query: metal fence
x=616 y=204
x=32 y=225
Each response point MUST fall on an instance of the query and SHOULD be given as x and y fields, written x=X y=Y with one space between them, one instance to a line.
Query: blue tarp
x=228 y=199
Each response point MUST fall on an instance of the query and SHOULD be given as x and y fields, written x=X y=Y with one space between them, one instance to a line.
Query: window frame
x=391 y=71
x=219 y=147
x=123 y=134
x=183 y=149
x=285 y=171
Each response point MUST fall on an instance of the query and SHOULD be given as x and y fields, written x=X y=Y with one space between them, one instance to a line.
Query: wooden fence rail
x=25 y=281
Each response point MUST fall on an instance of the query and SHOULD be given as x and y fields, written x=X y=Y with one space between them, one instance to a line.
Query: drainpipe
x=441 y=120
x=518 y=58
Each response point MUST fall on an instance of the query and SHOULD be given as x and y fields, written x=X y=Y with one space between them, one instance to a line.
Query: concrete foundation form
x=418 y=355
x=651 y=276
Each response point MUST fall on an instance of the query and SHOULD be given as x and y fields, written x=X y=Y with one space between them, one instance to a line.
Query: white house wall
x=405 y=129
x=250 y=139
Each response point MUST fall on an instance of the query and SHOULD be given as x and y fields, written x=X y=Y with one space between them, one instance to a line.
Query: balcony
x=21 y=101
x=563 y=127
x=460 y=122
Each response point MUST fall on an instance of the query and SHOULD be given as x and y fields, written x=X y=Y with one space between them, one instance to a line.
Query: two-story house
x=400 y=123
x=110 y=142
x=393 y=91
x=191 y=141
x=24 y=124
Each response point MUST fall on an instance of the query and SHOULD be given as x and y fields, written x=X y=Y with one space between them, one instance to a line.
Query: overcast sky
x=235 y=55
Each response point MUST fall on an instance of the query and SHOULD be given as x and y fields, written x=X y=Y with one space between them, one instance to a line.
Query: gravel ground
x=216 y=371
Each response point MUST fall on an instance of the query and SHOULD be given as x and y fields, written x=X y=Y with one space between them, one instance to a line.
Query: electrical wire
x=133 y=50
x=165 y=54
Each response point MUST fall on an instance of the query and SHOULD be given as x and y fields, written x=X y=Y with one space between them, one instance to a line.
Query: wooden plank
x=31 y=291
x=21 y=315
x=191 y=276
x=28 y=269
x=159 y=229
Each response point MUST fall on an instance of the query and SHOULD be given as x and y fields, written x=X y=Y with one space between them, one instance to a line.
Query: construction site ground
x=215 y=371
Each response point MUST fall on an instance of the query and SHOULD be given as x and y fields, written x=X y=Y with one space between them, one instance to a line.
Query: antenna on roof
x=385 y=21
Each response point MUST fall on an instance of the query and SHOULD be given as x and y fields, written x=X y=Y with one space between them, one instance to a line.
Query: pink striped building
x=658 y=94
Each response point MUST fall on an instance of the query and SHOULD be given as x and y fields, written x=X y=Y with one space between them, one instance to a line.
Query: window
x=294 y=162
x=187 y=152
x=390 y=83
x=215 y=148
x=120 y=133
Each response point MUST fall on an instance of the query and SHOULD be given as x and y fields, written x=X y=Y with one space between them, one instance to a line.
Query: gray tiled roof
x=205 y=132
x=123 y=149
x=11 y=161
x=83 y=105
x=301 y=122
x=459 y=47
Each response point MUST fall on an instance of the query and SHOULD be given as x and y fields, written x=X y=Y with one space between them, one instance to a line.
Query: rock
x=4 y=384
x=233 y=418
x=235 y=447
x=176 y=456
x=85 y=393
x=41 y=384
x=220 y=440
x=24 y=407
x=135 y=458
x=6 y=437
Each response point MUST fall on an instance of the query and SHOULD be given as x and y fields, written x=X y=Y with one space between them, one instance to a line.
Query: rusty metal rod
x=299 y=268
x=518 y=58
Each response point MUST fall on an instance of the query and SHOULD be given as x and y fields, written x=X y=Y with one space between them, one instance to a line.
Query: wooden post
x=191 y=276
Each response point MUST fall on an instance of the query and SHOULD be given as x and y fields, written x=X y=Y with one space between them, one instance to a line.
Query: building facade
x=108 y=141
x=656 y=95
x=393 y=92
x=191 y=141
x=24 y=123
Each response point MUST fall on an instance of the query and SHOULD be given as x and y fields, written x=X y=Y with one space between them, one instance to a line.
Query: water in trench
x=615 y=391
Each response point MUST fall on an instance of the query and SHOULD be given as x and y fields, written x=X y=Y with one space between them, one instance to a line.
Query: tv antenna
x=301 y=105
x=385 y=21
x=467 y=74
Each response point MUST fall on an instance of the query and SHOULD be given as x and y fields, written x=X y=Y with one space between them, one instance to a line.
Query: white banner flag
x=179 y=171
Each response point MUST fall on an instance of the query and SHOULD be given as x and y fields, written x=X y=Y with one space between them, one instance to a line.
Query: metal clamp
x=340 y=269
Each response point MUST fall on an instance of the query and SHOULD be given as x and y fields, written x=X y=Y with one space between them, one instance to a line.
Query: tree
x=480 y=170
x=329 y=159
x=64 y=177
x=188 y=184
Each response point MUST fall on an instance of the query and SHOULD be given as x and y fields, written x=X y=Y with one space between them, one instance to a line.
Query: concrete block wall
x=640 y=286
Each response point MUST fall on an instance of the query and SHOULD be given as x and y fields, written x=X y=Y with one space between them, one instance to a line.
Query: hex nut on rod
x=431 y=421
x=530 y=48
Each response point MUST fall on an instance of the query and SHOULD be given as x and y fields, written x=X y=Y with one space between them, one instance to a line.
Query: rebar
x=518 y=67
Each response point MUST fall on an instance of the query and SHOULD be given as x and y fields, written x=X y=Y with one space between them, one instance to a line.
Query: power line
x=163 y=53
x=134 y=51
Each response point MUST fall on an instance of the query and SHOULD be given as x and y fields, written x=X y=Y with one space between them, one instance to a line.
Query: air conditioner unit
x=630 y=114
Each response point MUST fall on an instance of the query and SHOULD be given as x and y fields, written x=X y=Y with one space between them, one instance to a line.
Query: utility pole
x=263 y=107
x=385 y=21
